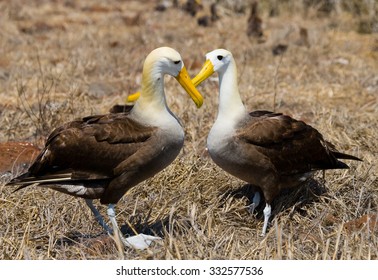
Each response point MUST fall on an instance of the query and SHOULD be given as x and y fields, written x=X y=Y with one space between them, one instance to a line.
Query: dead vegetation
x=64 y=59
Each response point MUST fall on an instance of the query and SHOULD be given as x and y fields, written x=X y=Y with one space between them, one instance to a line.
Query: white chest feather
x=220 y=134
x=224 y=128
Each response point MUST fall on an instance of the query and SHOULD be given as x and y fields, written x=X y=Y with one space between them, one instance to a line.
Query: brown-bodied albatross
x=102 y=157
x=269 y=150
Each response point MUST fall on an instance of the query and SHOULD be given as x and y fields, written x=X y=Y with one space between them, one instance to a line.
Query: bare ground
x=61 y=60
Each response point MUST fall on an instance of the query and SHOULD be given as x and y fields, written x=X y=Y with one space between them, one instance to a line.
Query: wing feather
x=88 y=149
x=291 y=145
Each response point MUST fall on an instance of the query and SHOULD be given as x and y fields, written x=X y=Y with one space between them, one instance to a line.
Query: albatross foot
x=255 y=202
x=251 y=208
x=140 y=241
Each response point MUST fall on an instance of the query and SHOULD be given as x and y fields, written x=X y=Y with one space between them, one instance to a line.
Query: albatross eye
x=220 y=57
x=177 y=61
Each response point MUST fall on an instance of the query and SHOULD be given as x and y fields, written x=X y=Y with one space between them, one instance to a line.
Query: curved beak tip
x=199 y=103
x=184 y=79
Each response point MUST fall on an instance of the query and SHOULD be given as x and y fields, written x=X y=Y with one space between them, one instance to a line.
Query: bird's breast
x=220 y=135
x=221 y=145
x=234 y=156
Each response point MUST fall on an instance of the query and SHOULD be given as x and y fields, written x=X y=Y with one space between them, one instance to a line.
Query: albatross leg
x=267 y=213
x=255 y=202
x=98 y=216
x=116 y=232
x=140 y=241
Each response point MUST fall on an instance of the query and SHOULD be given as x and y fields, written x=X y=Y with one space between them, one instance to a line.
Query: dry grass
x=61 y=60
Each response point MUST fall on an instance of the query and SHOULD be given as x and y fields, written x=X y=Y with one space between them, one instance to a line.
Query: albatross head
x=231 y=109
x=216 y=61
x=166 y=60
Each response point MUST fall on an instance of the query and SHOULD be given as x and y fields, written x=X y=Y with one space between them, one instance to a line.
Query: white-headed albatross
x=269 y=150
x=102 y=157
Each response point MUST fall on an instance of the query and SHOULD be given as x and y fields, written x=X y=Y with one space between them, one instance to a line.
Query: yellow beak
x=184 y=79
x=206 y=71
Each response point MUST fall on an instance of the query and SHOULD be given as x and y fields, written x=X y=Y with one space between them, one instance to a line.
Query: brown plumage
x=105 y=155
x=102 y=157
x=269 y=150
x=284 y=152
x=120 y=108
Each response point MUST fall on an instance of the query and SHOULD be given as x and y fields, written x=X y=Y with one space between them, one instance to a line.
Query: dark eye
x=220 y=57
x=177 y=61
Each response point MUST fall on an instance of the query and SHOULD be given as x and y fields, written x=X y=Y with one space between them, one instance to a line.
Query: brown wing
x=292 y=146
x=124 y=108
x=90 y=148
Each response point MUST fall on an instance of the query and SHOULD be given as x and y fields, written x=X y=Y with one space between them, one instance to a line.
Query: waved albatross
x=269 y=150
x=103 y=156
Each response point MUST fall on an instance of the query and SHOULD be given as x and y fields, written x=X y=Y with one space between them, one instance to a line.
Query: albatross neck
x=152 y=104
x=230 y=103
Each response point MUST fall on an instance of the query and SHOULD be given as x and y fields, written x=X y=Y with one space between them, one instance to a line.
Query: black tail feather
x=26 y=180
x=341 y=165
x=345 y=156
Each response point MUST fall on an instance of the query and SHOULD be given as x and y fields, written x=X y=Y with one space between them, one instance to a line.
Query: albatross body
x=102 y=157
x=269 y=150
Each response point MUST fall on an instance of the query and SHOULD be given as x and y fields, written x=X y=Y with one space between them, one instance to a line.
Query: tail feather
x=26 y=180
x=338 y=154
x=335 y=163
x=341 y=165
x=345 y=156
